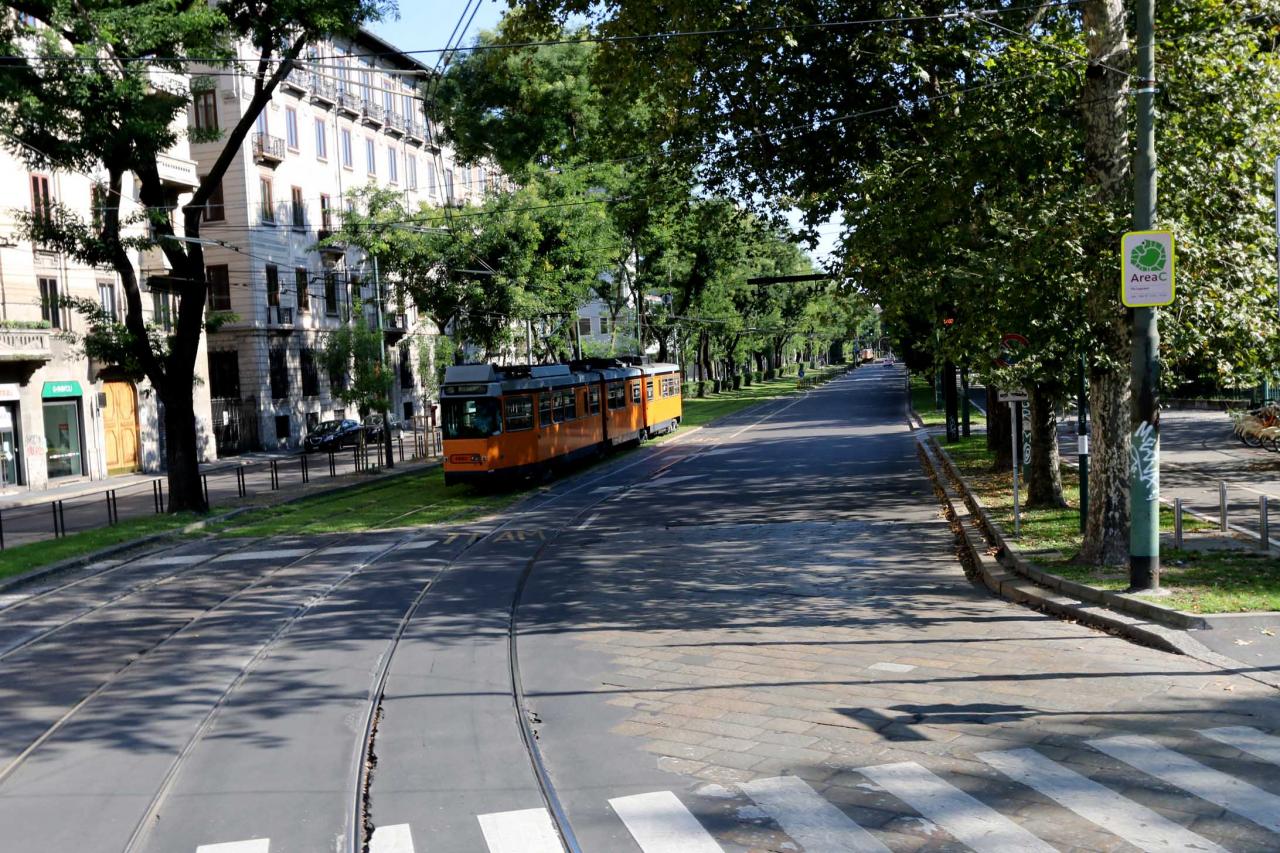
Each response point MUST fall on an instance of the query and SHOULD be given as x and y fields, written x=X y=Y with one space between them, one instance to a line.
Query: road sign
x=1013 y=395
x=1146 y=269
x=1012 y=347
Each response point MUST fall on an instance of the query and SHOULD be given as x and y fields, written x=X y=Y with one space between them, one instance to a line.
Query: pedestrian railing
x=223 y=486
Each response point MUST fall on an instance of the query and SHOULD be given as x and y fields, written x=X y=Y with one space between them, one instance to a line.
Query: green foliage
x=356 y=350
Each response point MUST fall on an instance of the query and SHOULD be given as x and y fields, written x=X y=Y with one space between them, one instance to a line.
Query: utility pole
x=382 y=359
x=1144 y=487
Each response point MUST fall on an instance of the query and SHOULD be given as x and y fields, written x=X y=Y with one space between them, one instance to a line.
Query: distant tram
x=520 y=420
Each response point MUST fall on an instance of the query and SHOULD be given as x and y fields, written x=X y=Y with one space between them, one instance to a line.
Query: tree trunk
x=999 y=430
x=182 y=448
x=1044 y=473
x=1104 y=110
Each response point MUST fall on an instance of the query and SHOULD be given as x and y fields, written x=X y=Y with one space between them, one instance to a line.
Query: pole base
x=1144 y=574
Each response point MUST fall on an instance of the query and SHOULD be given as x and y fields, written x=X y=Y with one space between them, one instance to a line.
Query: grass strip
x=24 y=558
x=1215 y=580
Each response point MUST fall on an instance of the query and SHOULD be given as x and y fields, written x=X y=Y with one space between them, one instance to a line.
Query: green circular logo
x=1149 y=256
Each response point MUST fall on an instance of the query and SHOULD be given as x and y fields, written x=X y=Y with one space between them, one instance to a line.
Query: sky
x=425 y=24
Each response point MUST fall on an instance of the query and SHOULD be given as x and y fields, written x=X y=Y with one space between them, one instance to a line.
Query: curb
x=156 y=538
x=971 y=526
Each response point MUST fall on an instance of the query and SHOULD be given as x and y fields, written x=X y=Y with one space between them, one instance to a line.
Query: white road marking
x=1135 y=823
x=606 y=489
x=885 y=666
x=417 y=544
x=1206 y=783
x=970 y=821
x=348 y=549
x=660 y=823
x=175 y=560
x=1245 y=739
x=525 y=831
x=391 y=839
x=587 y=523
x=276 y=554
x=664 y=481
x=257 y=845
x=817 y=825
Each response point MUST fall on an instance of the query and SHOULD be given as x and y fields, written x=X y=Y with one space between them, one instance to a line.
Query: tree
x=99 y=90
x=355 y=351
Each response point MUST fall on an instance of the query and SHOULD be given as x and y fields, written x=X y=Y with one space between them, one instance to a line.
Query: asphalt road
x=754 y=637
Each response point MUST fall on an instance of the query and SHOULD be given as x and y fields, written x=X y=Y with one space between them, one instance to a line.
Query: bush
x=737 y=381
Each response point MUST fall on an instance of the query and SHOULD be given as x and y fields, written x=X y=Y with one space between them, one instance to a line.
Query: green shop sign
x=61 y=389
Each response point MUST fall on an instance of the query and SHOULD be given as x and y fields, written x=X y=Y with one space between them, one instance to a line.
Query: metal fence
x=225 y=485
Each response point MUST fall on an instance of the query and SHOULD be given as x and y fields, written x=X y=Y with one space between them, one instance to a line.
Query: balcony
x=347 y=103
x=32 y=345
x=394 y=326
x=371 y=114
x=280 y=317
x=414 y=131
x=296 y=80
x=394 y=124
x=268 y=149
x=329 y=248
x=323 y=92
x=177 y=173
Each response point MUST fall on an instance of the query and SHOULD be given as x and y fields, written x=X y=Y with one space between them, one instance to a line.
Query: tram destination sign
x=1146 y=269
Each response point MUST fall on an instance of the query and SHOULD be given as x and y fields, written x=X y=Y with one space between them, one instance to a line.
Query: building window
x=326 y=215
x=544 y=407
x=215 y=209
x=330 y=293
x=411 y=171
x=291 y=128
x=162 y=308
x=371 y=156
x=262 y=125
x=268 y=212
x=406 y=366
x=322 y=140
x=393 y=166
x=300 y=285
x=604 y=325
x=298 y=209
x=107 y=298
x=62 y=438
x=337 y=382
x=584 y=326
x=206 y=104
x=448 y=184
x=282 y=430
x=346 y=149
x=224 y=374
x=41 y=200
x=310 y=377
x=273 y=286
x=278 y=364
x=388 y=103
x=50 y=310
x=649 y=390
x=431 y=178
x=617 y=395
x=219 y=279
x=593 y=400
x=408 y=107
x=483 y=186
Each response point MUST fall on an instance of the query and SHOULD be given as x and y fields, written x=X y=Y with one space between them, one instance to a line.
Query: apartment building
x=64 y=417
x=350 y=117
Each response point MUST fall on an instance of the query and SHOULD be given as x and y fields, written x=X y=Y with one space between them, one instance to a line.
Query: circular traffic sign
x=1012 y=347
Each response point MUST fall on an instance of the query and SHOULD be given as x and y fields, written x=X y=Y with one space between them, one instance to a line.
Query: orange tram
x=520 y=420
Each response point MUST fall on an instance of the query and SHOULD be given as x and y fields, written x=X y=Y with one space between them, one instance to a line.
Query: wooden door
x=120 y=423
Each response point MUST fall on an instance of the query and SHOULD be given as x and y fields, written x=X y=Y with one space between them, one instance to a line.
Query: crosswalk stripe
x=175 y=560
x=275 y=554
x=817 y=825
x=257 y=845
x=391 y=839
x=415 y=545
x=524 y=831
x=349 y=549
x=1217 y=787
x=1135 y=823
x=1245 y=739
x=975 y=824
x=660 y=823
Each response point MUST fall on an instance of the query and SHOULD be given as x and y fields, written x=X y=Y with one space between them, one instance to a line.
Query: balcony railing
x=267 y=148
x=323 y=91
x=413 y=129
x=347 y=102
x=394 y=123
x=297 y=80
x=279 y=315
x=371 y=113
x=25 y=345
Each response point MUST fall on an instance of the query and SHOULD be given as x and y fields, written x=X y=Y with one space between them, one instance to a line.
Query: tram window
x=474 y=418
x=635 y=393
x=593 y=401
x=564 y=401
x=571 y=404
x=649 y=389
x=617 y=397
x=519 y=413
x=544 y=407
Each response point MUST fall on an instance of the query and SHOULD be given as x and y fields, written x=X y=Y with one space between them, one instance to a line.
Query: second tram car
x=521 y=420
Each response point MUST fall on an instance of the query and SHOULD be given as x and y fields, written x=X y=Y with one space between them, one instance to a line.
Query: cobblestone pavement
x=788 y=607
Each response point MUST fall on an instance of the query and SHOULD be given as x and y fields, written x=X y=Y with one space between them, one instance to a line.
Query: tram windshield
x=477 y=417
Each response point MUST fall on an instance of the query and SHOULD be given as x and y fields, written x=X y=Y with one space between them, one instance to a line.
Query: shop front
x=11 y=473
x=63 y=429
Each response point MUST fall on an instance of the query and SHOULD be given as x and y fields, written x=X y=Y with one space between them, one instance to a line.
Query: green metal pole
x=1082 y=437
x=1144 y=467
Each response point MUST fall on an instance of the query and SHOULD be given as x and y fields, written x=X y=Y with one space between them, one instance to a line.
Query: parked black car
x=332 y=435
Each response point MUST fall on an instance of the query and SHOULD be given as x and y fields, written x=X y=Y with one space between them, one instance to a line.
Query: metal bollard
x=400 y=440
x=204 y=482
x=306 y=477
x=157 y=495
x=275 y=476
x=111 y=520
x=333 y=471
x=1177 y=522
x=241 y=488
x=53 y=507
x=1 y=530
x=1222 y=505
x=1264 y=524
